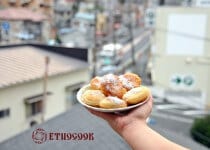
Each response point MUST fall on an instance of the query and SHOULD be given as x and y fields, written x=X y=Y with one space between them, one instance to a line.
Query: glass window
x=4 y=113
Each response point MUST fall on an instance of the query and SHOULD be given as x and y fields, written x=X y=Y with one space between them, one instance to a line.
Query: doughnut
x=95 y=83
x=112 y=102
x=92 y=97
x=136 y=95
x=112 y=86
x=130 y=80
x=111 y=91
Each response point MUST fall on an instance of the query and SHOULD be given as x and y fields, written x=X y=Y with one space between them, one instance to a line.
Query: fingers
x=144 y=110
x=106 y=116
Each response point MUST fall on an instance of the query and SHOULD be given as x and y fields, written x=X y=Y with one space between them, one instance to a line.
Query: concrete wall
x=13 y=98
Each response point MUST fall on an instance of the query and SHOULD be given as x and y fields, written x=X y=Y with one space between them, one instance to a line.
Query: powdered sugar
x=126 y=83
x=111 y=82
x=133 y=92
x=110 y=78
x=115 y=100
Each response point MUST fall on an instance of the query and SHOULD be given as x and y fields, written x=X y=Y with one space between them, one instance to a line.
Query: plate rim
x=85 y=87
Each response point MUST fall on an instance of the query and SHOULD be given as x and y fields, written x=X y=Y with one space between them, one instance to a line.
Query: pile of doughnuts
x=112 y=91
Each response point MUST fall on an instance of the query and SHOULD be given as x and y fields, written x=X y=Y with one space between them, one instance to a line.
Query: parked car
x=25 y=35
x=110 y=49
x=65 y=30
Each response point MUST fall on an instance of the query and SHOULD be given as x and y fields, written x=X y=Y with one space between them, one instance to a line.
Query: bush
x=200 y=130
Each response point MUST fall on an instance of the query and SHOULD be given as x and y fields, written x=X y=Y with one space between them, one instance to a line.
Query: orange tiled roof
x=22 y=64
x=21 y=14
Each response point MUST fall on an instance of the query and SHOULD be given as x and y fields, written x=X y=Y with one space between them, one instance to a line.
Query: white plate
x=86 y=87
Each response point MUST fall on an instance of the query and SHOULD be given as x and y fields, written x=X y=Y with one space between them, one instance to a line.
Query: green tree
x=200 y=130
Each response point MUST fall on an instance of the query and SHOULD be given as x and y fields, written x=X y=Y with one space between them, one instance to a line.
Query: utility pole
x=47 y=60
x=94 y=49
x=113 y=31
x=131 y=33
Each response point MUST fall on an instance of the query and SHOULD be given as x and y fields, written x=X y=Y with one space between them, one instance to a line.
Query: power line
x=207 y=39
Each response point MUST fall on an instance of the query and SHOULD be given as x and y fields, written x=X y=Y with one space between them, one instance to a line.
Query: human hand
x=120 y=122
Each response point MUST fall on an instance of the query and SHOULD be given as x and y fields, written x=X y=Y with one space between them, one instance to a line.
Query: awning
x=36 y=98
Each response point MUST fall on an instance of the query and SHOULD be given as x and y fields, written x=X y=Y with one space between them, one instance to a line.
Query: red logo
x=39 y=136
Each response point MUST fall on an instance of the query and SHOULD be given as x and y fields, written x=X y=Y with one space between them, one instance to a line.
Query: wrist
x=132 y=126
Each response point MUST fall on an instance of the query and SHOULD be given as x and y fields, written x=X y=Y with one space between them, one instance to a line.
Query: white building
x=21 y=86
x=181 y=56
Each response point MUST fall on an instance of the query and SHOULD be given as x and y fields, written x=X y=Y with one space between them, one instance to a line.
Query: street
x=174 y=128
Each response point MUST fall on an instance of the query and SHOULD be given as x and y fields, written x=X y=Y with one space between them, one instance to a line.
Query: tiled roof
x=21 y=14
x=77 y=120
x=25 y=63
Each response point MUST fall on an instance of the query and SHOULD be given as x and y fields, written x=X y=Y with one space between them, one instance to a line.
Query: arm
x=139 y=136
x=133 y=128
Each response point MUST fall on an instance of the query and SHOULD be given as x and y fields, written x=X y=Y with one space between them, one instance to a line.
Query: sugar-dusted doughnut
x=95 y=83
x=112 y=102
x=112 y=86
x=92 y=97
x=130 y=80
x=136 y=95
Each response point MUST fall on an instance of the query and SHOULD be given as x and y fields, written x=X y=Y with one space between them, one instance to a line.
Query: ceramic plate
x=86 y=87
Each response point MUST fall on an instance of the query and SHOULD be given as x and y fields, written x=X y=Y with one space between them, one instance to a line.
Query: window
x=71 y=93
x=34 y=108
x=74 y=96
x=4 y=113
x=34 y=105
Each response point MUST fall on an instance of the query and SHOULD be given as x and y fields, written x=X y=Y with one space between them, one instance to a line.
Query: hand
x=120 y=122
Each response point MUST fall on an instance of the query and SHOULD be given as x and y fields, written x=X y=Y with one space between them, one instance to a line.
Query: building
x=27 y=29
x=19 y=24
x=181 y=56
x=42 y=6
x=22 y=85
x=63 y=12
x=84 y=22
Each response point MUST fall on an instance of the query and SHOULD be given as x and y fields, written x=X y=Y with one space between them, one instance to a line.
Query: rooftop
x=25 y=63
x=76 y=120
x=79 y=120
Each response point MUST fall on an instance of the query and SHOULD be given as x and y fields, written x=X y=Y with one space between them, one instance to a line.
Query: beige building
x=181 y=56
x=43 y=6
x=28 y=20
x=23 y=24
x=21 y=87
